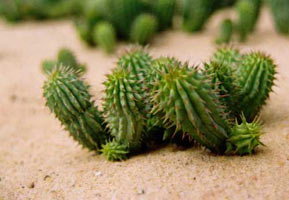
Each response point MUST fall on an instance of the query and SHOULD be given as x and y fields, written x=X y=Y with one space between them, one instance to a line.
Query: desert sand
x=38 y=160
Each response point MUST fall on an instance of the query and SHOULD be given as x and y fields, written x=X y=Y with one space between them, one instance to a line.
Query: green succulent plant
x=159 y=66
x=164 y=11
x=250 y=81
x=196 y=13
x=121 y=15
x=143 y=29
x=280 y=13
x=68 y=98
x=114 y=151
x=223 y=80
x=18 y=10
x=148 y=100
x=61 y=8
x=244 y=138
x=95 y=11
x=226 y=32
x=66 y=58
x=105 y=36
x=124 y=107
x=48 y=65
x=227 y=56
x=223 y=4
x=255 y=79
x=84 y=31
x=137 y=61
x=126 y=98
x=248 y=14
x=191 y=105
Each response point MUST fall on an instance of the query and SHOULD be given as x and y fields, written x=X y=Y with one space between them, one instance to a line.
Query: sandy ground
x=39 y=161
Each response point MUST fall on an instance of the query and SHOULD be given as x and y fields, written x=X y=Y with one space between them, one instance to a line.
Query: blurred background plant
x=20 y=10
x=104 y=22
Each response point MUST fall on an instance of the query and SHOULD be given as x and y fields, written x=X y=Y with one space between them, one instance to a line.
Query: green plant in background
x=104 y=36
x=94 y=11
x=143 y=28
x=84 y=31
x=68 y=98
x=196 y=13
x=223 y=4
x=248 y=14
x=18 y=10
x=10 y=10
x=280 y=13
x=65 y=58
x=63 y=8
x=164 y=11
x=125 y=16
x=121 y=15
x=226 y=32
x=132 y=20
x=48 y=66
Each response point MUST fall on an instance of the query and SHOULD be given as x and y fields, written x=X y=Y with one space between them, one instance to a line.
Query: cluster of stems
x=147 y=99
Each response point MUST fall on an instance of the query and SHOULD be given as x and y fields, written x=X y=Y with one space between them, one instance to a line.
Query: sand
x=38 y=160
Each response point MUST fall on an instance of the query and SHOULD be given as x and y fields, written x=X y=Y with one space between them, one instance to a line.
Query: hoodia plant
x=216 y=106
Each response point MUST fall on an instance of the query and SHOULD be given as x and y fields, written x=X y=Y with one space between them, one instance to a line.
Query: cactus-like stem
x=280 y=10
x=223 y=80
x=226 y=31
x=115 y=151
x=10 y=10
x=191 y=105
x=121 y=15
x=68 y=98
x=196 y=13
x=247 y=82
x=17 y=10
x=94 y=11
x=218 y=4
x=248 y=12
x=48 y=65
x=143 y=29
x=160 y=65
x=227 y=56
x=137 y=62
x=124 y=107
x=164 y=10
x=222 y=70
x=244 y=137
x=65 y=58
x=104 y=35
x=84 y=30
x=255 y=79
